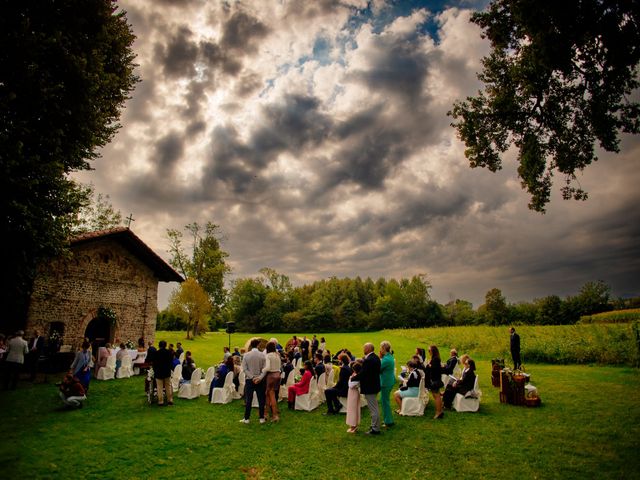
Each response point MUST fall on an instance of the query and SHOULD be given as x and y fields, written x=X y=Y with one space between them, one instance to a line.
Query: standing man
x=17 y=348
x=369 y=378
x=162 y=364
x=314 y=346
x=515 y=349
x=252 y=364
x=36 y=347
x=304 y=348
x=179 y=350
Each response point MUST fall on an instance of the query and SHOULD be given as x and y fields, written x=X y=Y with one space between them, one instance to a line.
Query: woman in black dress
x=433 y=379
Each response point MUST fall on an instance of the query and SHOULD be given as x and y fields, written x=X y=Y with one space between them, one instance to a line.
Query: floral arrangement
x=130 y=345
x=108 y=313
x=54 y=336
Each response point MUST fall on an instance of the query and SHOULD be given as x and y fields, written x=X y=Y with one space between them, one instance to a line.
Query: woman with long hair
x=273 y=375
x=434 y=379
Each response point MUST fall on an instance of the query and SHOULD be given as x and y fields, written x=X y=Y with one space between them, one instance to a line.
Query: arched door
x=98 y=332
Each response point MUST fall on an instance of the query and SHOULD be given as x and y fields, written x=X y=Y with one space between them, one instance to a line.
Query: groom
x=369 y=378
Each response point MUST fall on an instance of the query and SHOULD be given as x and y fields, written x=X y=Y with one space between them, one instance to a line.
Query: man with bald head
x=369 y=378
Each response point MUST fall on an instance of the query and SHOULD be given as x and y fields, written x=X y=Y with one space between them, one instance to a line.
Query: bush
x=616 y=316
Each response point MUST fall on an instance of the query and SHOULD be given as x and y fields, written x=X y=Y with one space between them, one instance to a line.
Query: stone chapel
x=107 y=290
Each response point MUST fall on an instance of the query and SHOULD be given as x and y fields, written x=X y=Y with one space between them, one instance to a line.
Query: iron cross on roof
x=129 y=220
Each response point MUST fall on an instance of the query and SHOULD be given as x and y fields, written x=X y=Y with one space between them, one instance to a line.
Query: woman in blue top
x=80 y=367
x=387 y=381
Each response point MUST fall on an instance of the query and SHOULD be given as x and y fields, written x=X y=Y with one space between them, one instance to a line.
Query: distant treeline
x=270 y=303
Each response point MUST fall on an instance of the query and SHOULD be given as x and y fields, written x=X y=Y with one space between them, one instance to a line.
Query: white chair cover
x=309 y=401
x=208 y=378
x=330 y=378
x=191 y=390
x=226 y=393
x=282 y=394
x=240 y=393
x=126 y=368
x=176 y=375
x=470 y=402
x=108 y=372
x=414 y=406
x=322 y=385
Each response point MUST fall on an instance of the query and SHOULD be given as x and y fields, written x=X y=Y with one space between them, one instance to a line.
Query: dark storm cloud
x=396 y=66
x=241 y=31
x=168 y=151
x=290 y=125
x=178 y=57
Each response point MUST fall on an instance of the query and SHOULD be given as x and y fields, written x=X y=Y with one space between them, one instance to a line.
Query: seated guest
x=421 y=353
x=236 y=351
x=221 y=375
x=103 y=354
x=120 y=356
x=226 y=354
x=318 y=365
x=341 y=389
x=141 y=345
x=287 y=366
x=417 y=359
x=188 y=366
x=72 y=392
x=174 y=359
x=462 y=386
x=463 y=361
x=452 y=362
x=411 y=384
x=322 y=346
x=179 y=349
x=302 y=387
x=296 y=353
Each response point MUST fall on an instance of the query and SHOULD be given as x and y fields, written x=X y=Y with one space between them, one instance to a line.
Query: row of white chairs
x=108 y=372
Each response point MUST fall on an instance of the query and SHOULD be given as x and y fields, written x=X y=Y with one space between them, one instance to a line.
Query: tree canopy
x=559 y=77
x=205 y=263
x=66 y=69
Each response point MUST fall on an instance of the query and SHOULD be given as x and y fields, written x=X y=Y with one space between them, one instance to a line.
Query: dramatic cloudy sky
x=315 y=134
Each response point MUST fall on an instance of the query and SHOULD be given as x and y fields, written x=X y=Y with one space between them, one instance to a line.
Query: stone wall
x=99 y=274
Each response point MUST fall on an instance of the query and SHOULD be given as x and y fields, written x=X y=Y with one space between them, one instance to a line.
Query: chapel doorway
x=98 y=332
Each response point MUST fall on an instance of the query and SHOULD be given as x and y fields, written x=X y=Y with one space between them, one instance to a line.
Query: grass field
x=587 y=427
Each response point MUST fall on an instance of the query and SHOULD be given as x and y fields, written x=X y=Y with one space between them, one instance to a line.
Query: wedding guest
x=179 y=349
x=36 y=349
x=17 y=348
x=323 y=345
x=462 y=386
x=452 y=362
x=387 y=381
x=81 y=366
x=411 y=384
x=341 y=389
x=120 y=356
x=369 y=378
x=221 y=375
x=162 y=373
x=353 y=398
x=103 y=355
x=314 y=346
x=226 y=354
x=72 y=392
x=188 y=367
x=304 y=348
x=301 y=387
x=272 y=370
x=514 y=346
x=433 y=379
x=253 y=363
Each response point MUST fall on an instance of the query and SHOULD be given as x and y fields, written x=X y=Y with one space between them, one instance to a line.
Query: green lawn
x=587 y=427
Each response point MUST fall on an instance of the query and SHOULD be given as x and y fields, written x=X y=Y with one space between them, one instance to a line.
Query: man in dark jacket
x=341 y=388
x=515 y=349
x=369 y=378
x=162 y=363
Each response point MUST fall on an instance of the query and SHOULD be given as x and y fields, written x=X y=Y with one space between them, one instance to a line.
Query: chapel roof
x=123 y=235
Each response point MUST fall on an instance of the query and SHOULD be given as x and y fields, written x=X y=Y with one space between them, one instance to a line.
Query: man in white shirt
x=252 y=364
x=17 y=348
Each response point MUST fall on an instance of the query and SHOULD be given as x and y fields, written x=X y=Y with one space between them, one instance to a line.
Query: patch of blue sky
x=403 y=8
